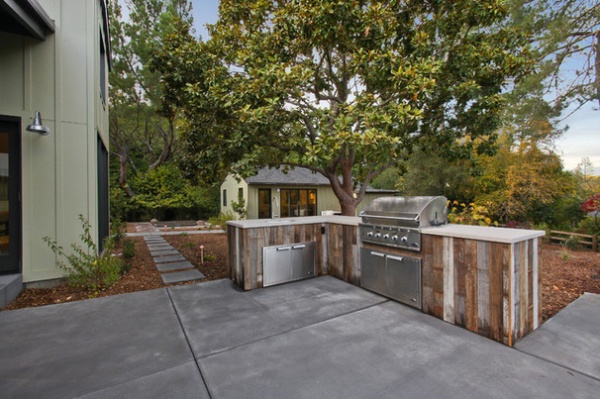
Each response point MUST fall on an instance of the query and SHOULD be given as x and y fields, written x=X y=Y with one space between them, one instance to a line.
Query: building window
x=264 y=203
x=224 y=197
x=102 y=69
x=298 y=202
x=240 y=194
x=103 y=194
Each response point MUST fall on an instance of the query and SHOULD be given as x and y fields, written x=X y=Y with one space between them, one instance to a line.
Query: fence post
x=595 y=242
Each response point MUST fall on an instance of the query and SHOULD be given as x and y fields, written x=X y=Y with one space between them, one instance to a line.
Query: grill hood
x=406 y=211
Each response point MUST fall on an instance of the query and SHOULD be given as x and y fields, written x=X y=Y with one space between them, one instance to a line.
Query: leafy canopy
x=345 y=88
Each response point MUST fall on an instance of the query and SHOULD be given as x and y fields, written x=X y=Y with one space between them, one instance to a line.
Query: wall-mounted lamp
x=37 y=126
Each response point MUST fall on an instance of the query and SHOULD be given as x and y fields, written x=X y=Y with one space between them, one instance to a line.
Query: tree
x=344 y=88
x=521 y=182
x=432 y=174
x=567 y=38
x=142 y=131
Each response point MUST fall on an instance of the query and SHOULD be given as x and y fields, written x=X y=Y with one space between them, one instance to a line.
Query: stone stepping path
x=173 y=267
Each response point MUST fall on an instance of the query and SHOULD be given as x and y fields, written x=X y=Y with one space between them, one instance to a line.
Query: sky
x=582 y=139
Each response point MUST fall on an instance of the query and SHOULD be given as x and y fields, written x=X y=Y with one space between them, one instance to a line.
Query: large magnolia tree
x=344 y=88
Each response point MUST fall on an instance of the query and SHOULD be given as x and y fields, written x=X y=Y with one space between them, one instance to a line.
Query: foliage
x=592 y=204
x=221 y=220
x=461 y=213
x=143 y=133
x=566 y=36
x=388 y=179
x=128 y=250
x=239 y=206
x=87 y=268
x=343 y=88
x=571 y=243
x=589 y=225
x=164 y=191
x=432 y=174
x=519 y=180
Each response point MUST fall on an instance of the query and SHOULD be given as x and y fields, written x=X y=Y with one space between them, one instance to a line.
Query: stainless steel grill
x=396 y=221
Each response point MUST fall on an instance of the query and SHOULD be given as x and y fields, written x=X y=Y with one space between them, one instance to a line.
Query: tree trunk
x=344 y=193
x=123 y=175
x=348 y=207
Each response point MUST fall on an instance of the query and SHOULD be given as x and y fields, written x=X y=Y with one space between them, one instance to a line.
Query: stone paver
x=164 y=252
x=168 y=259
x=168 y=267
x=178 y=277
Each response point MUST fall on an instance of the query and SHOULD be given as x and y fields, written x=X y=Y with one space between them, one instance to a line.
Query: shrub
x=221 y=220
x=461 y=213
x=589 y=225
x=117 y=230
x=86 y=268
x=128 y=250
x=571 y=243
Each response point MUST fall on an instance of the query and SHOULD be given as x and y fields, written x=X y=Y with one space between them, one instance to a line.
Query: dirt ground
x=565 y=274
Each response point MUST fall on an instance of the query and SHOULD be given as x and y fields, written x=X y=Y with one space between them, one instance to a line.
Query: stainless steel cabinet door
x=303 y=260
x=276 y=265
x=404 y=279
x=372 y=273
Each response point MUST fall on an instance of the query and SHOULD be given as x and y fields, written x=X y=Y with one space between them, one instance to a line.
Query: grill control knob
x=370 y=234
x=378 y=235
x=394 y=238
x=404 y=240
x=386 y=237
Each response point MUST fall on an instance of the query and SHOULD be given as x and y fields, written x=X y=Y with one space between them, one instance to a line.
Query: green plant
x=117 y=230
x=210 y=257
x=85 y=267
x=239 y=207
x=565 y=256
x=221 y=220
x=128 y=250
x=571 y=243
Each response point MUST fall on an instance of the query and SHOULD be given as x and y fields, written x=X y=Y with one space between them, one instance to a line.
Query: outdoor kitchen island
x=485 y=279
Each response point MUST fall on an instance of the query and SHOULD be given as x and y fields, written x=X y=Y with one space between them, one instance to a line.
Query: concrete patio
x=317 y=338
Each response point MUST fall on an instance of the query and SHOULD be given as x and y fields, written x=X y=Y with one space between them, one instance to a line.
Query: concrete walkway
x=317 y=338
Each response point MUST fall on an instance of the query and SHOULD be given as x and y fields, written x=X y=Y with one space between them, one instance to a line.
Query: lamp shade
x=37 y=126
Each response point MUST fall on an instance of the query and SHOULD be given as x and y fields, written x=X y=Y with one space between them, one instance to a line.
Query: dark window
x=102 y=69
x=298 y=202
x=224 y=197
x=103 y=194
x=264 y=203
x=240 y=193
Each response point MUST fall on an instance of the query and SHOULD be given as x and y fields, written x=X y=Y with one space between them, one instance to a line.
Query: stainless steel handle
x=284 y=248
x=378 y=254
x=299 y=246
x=398 y=258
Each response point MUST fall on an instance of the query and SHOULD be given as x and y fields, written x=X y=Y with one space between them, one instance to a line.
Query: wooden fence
x=585 y=240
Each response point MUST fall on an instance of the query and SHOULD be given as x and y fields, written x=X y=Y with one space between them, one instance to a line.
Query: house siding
x=231 y=185
x=60 y=77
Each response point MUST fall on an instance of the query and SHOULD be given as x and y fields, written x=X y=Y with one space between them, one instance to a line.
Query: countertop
x=482 y=233
x=258 y=223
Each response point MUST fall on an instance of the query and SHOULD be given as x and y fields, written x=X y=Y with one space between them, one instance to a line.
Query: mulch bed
x=565 y=274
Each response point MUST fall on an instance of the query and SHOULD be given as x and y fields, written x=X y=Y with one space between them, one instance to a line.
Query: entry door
x=10 y=196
